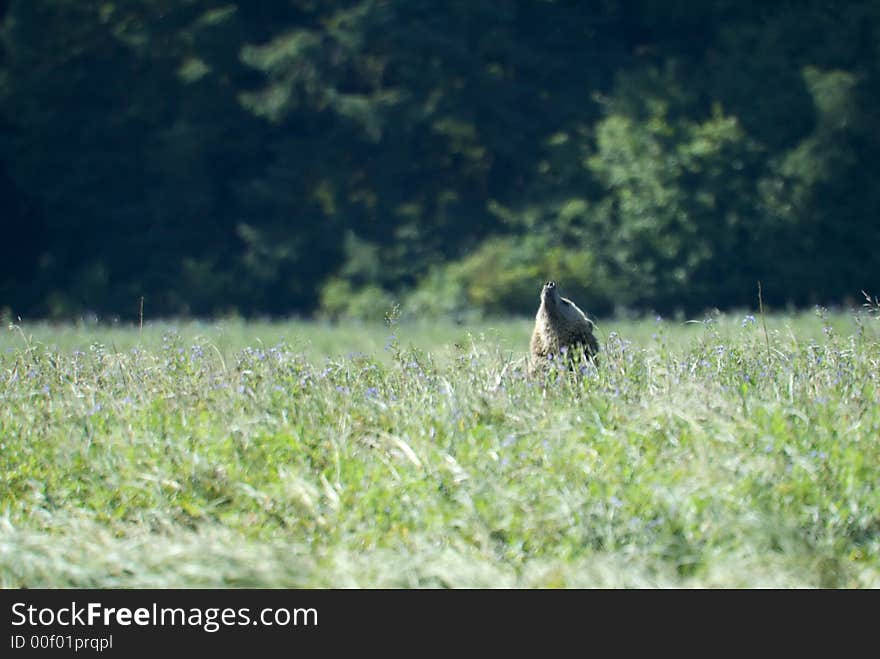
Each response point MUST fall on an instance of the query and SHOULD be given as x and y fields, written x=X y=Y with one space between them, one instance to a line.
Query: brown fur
x=560 y=324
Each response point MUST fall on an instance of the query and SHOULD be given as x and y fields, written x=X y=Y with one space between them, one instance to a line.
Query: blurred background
x=329 y=158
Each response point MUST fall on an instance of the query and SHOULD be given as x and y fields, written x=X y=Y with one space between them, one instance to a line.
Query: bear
x=561 y=329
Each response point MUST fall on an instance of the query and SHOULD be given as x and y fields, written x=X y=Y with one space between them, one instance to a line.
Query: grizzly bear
x=562 y=330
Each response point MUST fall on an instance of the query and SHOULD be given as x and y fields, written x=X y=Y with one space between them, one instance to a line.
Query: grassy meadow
x=697 y=454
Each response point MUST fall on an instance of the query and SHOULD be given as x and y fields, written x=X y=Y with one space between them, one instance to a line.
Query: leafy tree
x=287 y=157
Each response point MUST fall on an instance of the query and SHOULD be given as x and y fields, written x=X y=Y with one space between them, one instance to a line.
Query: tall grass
x=293 y=454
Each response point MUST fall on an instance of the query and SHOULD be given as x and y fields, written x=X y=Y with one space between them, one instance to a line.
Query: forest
x=333 y=158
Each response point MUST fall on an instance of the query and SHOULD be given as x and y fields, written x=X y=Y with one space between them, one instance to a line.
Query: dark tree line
x=336 y=156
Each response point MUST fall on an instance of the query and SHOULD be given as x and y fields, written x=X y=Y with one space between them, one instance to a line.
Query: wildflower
x=748 y=320
x=372 y=392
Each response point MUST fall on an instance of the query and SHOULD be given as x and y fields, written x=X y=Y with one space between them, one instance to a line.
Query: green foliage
x=702 y=454
x=504 y=276
x=819 y=194
x=340 y=301
x=681 y=196
x=217 y=155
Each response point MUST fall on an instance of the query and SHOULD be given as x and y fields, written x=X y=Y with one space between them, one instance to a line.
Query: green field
x=697 y=454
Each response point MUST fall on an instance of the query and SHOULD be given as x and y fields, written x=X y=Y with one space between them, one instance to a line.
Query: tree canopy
x=336 y=156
